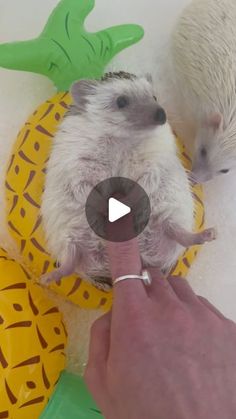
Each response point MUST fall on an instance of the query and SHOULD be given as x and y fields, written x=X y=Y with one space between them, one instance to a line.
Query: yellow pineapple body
x=24 y=186
x=32 y=342
x=185 y=261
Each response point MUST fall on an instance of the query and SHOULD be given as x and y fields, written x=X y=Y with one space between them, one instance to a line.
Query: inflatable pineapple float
x=32 y=343
x=32 y=335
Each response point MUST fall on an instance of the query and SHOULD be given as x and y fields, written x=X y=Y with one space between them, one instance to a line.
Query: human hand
x=163 y=352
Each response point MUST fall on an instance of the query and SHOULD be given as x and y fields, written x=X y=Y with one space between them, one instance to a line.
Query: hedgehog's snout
x=160 y=116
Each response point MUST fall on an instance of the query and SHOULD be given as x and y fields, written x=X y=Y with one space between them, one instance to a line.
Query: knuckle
x=171 y=307
x=174 y=278
x=180 y=313
x=181 y=316
x=136 y=316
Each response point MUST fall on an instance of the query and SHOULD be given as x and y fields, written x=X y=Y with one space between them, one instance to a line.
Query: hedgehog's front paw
x=209 y=235
x=48 y=278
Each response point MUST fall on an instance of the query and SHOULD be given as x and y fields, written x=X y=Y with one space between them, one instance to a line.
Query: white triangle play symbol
x=117 y=210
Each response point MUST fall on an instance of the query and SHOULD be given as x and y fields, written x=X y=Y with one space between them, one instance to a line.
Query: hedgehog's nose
x=160 y=116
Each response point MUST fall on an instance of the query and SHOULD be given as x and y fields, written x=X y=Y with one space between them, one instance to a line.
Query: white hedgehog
x=116 y=128
x=203 y=67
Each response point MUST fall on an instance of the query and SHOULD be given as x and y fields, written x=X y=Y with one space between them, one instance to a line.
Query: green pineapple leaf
x=65 y=51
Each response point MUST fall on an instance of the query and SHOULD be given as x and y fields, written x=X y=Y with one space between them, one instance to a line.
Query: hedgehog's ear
x=81 y=90
x=149 y=78
x=215 y=121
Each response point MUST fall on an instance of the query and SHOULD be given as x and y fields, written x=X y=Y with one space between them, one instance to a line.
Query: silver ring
x=145 y=277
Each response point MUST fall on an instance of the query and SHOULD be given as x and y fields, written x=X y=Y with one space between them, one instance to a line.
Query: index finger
x=124 y=259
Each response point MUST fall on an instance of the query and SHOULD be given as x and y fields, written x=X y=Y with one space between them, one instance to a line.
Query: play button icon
x=117 y=210
x=113 y=199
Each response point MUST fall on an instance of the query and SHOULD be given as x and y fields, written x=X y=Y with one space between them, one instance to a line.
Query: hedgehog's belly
x=94 y=261
x=156 y=249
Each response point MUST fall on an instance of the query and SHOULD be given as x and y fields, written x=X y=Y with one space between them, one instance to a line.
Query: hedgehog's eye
x=224 y=171
x=203 y=152
x=155 y=98
x=122 y=101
